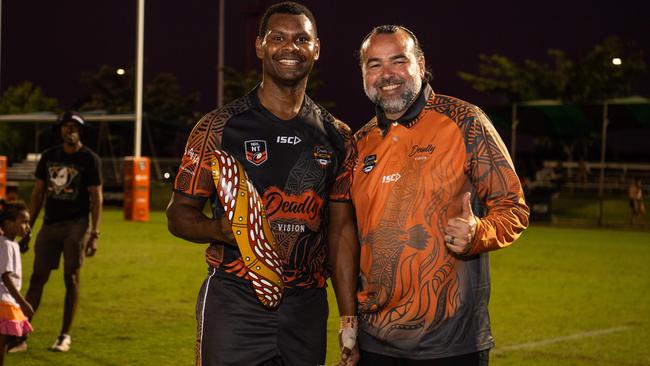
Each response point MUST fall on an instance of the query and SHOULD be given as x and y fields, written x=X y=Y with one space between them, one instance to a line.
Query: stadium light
x=617 y=61
x=120 y=71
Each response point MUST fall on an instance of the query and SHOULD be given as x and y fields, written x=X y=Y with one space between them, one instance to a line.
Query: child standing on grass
x=14 y=309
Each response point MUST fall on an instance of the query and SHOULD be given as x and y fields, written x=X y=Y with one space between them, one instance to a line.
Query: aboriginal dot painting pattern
x=250 y=226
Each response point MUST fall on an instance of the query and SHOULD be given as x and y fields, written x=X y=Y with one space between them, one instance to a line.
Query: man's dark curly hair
x=9 y=211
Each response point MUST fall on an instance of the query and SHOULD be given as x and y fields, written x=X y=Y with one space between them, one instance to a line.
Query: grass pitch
x=559 y=297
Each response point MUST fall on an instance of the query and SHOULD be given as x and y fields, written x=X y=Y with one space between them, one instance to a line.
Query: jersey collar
x=306 y=107
x=410 y=116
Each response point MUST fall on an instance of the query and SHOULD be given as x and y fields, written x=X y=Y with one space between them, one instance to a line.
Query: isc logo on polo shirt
x=390 y=178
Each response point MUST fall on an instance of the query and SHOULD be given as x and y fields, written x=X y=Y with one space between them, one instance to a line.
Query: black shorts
x=233 y=328
x=480 y=358
x=67 y=237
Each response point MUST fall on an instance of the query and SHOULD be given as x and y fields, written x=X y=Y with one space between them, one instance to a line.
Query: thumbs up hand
x=460 y=230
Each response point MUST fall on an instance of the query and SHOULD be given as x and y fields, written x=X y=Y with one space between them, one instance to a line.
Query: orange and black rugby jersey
x=416 y=299
x=293 y=164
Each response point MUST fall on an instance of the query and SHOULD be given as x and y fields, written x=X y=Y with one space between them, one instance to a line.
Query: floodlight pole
x=138 y=80
x=220 y=51
x=603 y=141
x=0 y=47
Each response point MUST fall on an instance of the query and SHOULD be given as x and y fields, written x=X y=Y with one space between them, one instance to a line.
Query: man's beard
x=395 y=104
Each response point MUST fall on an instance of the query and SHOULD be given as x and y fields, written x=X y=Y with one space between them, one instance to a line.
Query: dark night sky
x=52 y=42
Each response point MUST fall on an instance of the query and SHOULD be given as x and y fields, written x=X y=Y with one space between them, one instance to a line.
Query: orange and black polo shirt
x=293 y=164
x=416 y=299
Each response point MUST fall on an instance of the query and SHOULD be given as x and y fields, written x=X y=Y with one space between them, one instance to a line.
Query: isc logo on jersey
x=291 y=140
x=390 y=178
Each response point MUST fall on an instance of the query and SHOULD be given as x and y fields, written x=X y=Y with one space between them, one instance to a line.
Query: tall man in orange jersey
x=433 y=190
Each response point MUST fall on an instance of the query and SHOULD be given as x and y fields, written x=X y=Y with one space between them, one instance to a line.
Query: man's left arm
x=96 y=203
x=498 y=187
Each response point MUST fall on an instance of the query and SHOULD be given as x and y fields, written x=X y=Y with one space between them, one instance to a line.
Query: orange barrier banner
x=3 y=177
x=136 y=188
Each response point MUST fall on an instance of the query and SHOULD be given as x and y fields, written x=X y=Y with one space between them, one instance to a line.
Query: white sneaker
x=62 y=344
x=20 y=347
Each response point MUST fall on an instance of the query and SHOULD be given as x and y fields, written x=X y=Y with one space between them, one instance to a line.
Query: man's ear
x=422 y=65
x=258 y=47
x=317 y=49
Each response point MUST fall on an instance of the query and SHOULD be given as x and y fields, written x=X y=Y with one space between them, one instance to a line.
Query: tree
x=500 y=75
x=596 y=78
x=591 y=79
x=166 y=110
x=163 y=99
x=108 y=91
x=22 y=98
x=26 y=98
x=237 y=83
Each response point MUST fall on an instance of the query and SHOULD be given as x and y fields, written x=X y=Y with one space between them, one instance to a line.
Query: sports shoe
x=19 y=347
x=62 y=344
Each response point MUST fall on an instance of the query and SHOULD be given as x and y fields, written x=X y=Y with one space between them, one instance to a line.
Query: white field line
x=546 y=342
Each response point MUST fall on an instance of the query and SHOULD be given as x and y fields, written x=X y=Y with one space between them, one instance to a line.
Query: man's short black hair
x=286 y=7
x=392 y=29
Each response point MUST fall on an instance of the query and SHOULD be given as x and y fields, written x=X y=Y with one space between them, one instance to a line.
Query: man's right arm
x=36 y=202
x=344 y=259
x=186 y=220
x=194 y=184
x=35 y=205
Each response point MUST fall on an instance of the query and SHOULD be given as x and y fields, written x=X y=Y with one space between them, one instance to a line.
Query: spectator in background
x=635 y=194
x=69 y=185
x=583 y=171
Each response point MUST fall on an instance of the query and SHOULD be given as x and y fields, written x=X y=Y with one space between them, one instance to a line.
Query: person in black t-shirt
x=293 y=153
x=69 y=182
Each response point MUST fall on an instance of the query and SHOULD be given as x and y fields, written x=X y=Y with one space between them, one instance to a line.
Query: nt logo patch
x=256 y=151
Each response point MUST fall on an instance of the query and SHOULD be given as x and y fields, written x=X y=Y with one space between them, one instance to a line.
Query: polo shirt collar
x=411 y=113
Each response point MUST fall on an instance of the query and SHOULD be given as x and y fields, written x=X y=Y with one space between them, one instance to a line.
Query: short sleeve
x=94 y=170
x=194 y=176
x=41 y=170
x=340 y=191
x=6 y=262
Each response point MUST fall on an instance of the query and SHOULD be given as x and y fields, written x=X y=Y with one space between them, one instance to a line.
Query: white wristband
x=348 y=331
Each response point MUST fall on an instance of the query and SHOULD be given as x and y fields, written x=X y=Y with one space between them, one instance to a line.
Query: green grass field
x=559 y=297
